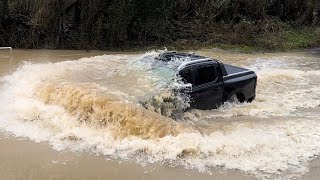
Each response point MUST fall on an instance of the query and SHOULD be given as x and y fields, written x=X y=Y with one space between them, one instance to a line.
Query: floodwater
x=87 y=113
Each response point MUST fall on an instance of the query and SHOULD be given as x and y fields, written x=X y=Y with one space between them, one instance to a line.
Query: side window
x=206 y=73
x=187 y=76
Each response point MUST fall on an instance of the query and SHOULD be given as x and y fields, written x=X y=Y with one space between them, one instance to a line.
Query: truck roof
x=171 y=55
x=190 y=58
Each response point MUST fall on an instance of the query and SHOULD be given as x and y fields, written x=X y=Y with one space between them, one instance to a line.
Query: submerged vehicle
x=212 y=82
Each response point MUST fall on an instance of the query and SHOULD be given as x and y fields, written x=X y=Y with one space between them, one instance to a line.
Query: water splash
x=93 y=104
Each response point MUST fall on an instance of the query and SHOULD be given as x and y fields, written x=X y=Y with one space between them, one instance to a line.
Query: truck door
x=207 y=91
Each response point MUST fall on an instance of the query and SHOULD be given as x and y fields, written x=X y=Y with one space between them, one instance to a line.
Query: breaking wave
x=99 y=105
x=122 y=118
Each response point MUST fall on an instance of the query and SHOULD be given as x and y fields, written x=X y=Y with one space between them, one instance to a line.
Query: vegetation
x=122 y=24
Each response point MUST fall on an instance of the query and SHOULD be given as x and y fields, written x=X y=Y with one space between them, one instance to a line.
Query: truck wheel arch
x=238 y=96
x=241 y=97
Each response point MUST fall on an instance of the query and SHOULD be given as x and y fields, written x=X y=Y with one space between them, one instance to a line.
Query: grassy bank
x=272 y=35
x=287 y=39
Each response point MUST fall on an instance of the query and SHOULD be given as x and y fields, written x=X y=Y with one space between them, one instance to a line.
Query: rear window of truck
x=206 y=74
x=187 y=76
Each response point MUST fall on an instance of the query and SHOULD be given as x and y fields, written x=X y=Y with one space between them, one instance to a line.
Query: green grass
x=285 y=38
x=289 y=39
x=295 y=39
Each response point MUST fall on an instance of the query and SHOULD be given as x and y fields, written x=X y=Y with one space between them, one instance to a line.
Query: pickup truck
x=213 y=82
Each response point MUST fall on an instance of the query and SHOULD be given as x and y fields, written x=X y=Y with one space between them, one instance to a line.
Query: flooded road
x=90 y=102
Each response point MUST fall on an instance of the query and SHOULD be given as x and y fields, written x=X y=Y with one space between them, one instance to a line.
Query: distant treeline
x=107 y=24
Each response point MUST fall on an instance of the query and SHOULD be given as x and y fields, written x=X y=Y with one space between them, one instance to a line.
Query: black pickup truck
x=212 y=81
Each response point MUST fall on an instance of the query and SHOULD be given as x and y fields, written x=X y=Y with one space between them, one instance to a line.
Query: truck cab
x=213 y=82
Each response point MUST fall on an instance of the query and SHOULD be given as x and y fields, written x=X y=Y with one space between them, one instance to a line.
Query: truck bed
x=235 y=72
x=234 y=69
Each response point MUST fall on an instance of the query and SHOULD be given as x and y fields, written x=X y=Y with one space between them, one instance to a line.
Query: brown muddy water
x=79 y=115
